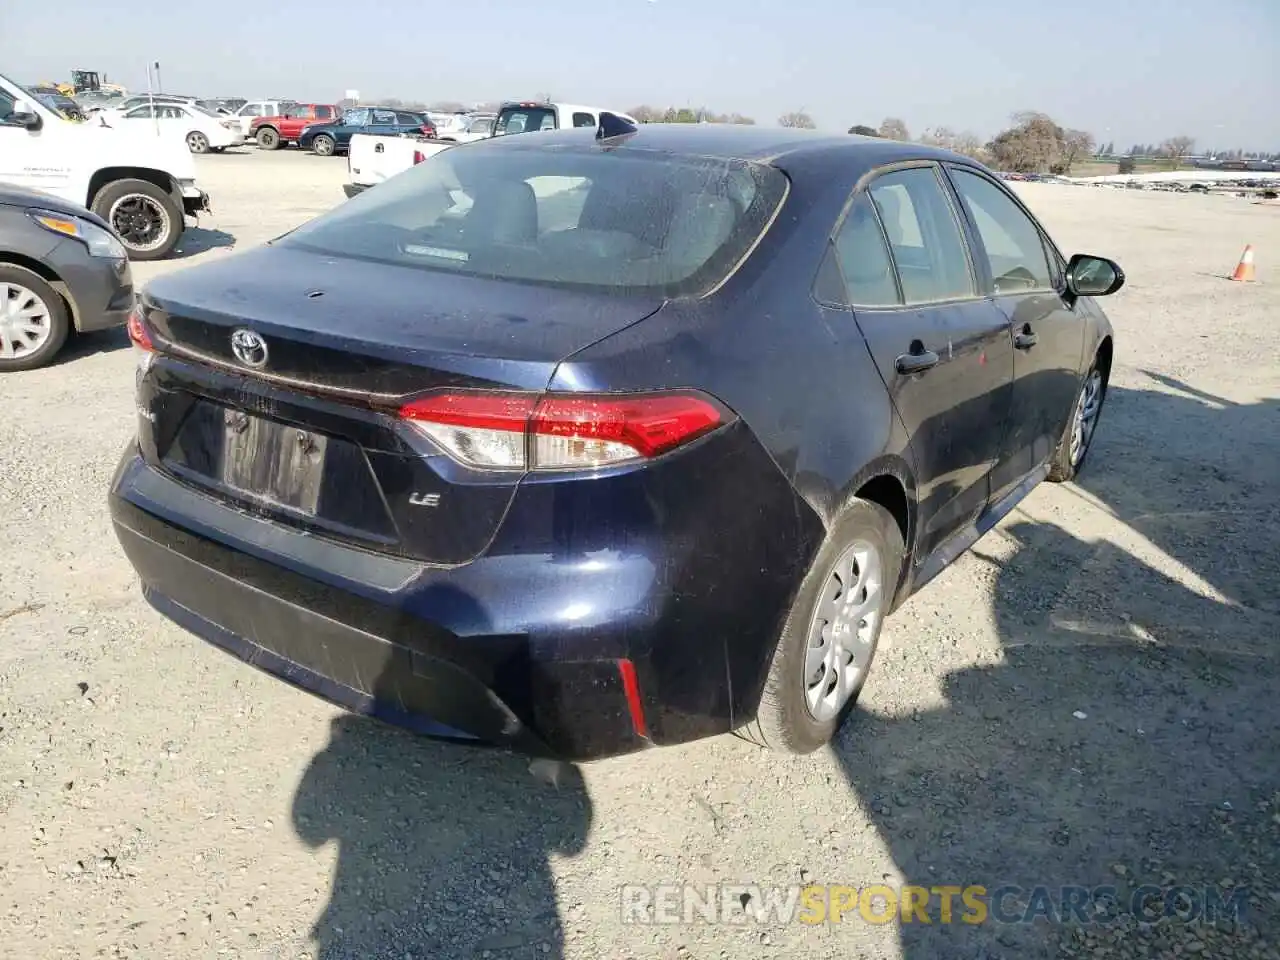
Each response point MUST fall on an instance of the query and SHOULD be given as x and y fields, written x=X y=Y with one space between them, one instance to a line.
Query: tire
x=269 y=138
x=197 y=142
x=1068 y=460
x=785 y=721
x=119 y=201
x=22 y=290
x=324 y=146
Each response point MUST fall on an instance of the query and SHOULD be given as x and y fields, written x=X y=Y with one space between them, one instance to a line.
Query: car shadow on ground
x=197 y=240
x=86 y=344
x=1128 y=734
x=443 y=850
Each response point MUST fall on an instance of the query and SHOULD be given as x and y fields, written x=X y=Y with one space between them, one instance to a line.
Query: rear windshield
x=524 y=120
x=621 y=220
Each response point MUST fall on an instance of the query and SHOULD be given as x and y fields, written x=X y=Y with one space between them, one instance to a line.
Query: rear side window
x=627 y=221
x=864 y=258
x=928 y=249
x=524 y=120
x=584 y=120
x=409 y=120
x=1011 y=242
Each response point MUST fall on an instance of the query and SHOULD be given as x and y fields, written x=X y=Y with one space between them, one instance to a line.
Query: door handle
x=917 y=361
x=1025 y=340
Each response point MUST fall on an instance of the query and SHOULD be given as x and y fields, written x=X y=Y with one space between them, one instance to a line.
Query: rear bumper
x=619 y=637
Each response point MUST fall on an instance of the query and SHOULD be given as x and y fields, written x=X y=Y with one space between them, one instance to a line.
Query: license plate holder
x=272 y=461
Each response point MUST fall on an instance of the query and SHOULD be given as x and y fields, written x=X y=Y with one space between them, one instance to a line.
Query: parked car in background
x=327 y=139
x=62 y=104
x=373 y=158
x=274 y=132
x=142 y=185
x=203 y=131
x=530 y=116
x=469 y=128
x=252 y=109
x=544 y=466
x=62 y=270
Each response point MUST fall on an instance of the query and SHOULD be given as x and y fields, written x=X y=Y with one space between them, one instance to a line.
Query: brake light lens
x=418 y=157
x=521 y=431
x=138 y=334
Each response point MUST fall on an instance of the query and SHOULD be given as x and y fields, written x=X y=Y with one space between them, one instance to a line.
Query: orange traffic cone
x=1244 y=269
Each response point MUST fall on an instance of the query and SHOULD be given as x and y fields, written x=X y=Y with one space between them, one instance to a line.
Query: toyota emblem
x=249 y=348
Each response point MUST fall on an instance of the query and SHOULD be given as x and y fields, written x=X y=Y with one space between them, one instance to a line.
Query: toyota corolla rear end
x=350 y=473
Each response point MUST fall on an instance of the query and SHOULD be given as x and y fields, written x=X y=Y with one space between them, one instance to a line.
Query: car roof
x=728 y=141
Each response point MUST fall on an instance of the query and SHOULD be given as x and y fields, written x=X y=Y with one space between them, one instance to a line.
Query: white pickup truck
x=141 y=183
x=373 y=158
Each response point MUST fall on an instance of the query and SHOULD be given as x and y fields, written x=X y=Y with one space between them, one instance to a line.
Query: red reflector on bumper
x=631 y=687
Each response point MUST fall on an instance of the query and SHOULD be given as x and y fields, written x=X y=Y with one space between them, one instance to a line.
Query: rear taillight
x=137 y=328
x=521 y=431
x=418 y=157
x=428 y=131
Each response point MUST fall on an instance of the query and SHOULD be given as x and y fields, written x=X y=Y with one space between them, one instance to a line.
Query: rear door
x=941 y=348
x=1024 y=275
x=409 y=122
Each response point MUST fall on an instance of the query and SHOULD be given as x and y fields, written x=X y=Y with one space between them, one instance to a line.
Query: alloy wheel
x=843 y=629
x=197 y=142
x=141 y=221
x=1086 y=416
x=25 y=322
x=324 y=146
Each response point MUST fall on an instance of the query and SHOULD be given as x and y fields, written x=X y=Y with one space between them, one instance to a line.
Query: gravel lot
x=1088 y=698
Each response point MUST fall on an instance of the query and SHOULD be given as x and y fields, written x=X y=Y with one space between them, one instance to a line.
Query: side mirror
x=1090 y=276
x=24 y=115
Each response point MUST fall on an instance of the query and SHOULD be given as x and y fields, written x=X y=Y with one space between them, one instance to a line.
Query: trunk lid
x=310 y=437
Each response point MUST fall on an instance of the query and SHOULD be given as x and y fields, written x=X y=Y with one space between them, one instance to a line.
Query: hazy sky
x=1127 y=71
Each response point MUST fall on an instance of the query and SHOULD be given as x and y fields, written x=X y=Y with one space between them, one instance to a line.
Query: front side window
x=481 y=127
x=356 y=118
x=381 y=117
x=864 y=258
x=928 y=248
x=623 y=222
x=1011 y=242
x=251 y=110
x=323 y=113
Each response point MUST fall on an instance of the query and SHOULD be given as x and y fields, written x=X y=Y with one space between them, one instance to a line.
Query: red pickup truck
x=274 y=132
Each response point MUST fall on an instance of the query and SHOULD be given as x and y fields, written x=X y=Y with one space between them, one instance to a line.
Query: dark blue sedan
x=588 y=443
x=328 y=139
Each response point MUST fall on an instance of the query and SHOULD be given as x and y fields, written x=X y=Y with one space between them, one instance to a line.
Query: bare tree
x=1175 y=148
x=1033 y=144
x=891 y=128
x=798 y=119
x=448 y=106
x=1076 y=145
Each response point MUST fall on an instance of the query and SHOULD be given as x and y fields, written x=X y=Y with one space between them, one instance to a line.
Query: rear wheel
x=147 y=219
x=33 y=320
x=324 y=145
x=830 y=636
x=1073 y=448
x=197 y=142
x=269 y=138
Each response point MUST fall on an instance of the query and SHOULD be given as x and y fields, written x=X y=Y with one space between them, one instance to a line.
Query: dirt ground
x=1088 y=698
